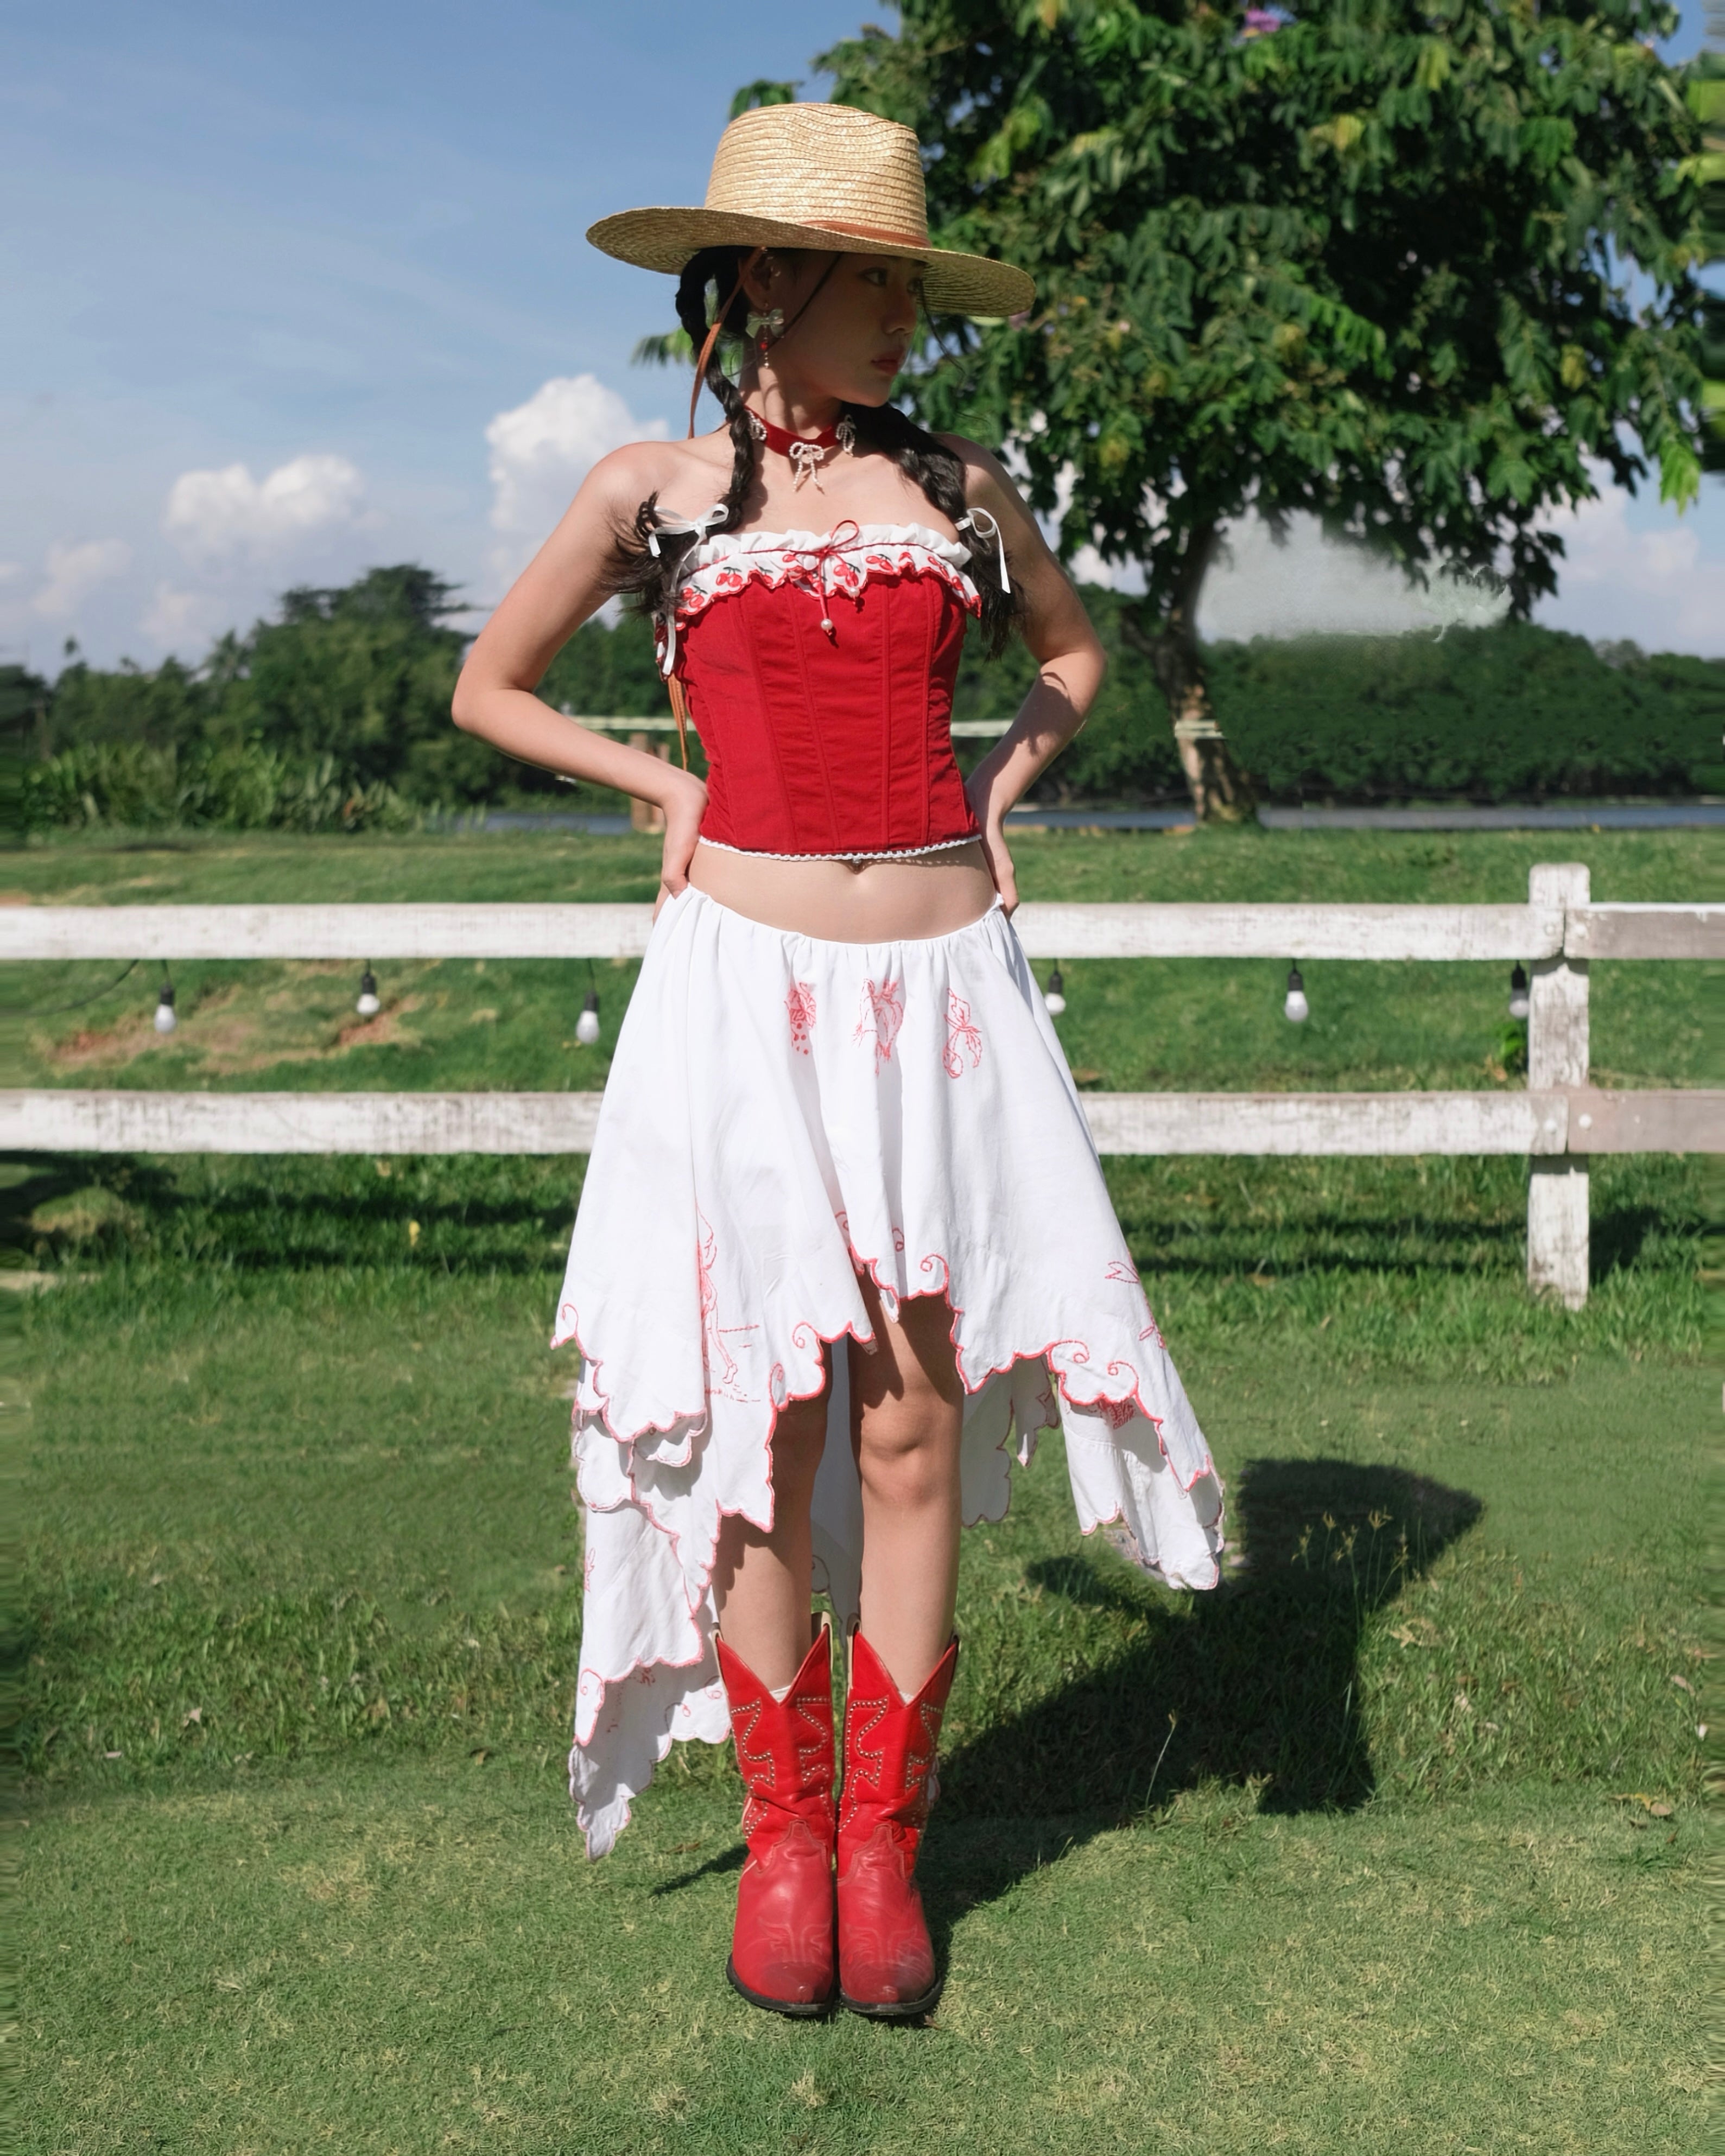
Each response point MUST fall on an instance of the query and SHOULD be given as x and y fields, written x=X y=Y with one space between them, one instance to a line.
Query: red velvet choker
x=807 y=452
x=779 y=439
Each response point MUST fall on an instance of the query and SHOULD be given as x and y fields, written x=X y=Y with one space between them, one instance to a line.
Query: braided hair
x=653 y=577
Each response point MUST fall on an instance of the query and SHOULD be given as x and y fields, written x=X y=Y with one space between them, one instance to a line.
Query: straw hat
x=817 y=176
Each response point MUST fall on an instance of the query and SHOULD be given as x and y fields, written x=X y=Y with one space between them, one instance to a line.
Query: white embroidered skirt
x=781 y=1112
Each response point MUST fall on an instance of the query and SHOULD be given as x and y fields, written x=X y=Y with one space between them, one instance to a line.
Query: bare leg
x=762 y=1581
x=907 y=1414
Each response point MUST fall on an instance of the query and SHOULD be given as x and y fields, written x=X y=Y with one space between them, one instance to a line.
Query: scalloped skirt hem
x=783 y=1115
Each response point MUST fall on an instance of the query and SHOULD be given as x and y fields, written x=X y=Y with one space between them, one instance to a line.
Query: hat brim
x=666 y=239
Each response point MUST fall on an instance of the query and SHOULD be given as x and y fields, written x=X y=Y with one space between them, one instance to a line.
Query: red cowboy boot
x=886 y=1962
x=781 y=1948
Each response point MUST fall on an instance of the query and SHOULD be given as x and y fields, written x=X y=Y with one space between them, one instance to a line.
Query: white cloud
x=176 y=620
x=74 y=572
x=541 y=450
x=8 y=570
x=220 y=518
x=1662 y=587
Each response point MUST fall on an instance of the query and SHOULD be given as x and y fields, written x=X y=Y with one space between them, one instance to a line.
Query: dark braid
x=939 y=472
x=653 y=579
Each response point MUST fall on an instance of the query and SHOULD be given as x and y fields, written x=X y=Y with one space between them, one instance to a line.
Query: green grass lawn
x=1393 y=1842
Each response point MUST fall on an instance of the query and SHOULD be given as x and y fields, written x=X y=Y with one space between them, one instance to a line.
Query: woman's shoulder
x=985 y=477
x=677 y=472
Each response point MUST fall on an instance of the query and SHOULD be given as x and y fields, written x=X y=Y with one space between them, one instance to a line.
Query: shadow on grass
x=1257 y=1685
x=300 y=1214
x=1617 y=1237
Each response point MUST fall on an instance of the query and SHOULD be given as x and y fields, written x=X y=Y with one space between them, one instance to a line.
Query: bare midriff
x=876 y=900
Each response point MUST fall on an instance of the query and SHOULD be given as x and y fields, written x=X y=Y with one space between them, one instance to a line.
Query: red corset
x=819 y=676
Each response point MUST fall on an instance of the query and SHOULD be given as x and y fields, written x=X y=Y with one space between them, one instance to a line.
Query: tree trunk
x=1221 y=792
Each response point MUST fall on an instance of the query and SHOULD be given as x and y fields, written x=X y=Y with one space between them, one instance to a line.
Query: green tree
x=1366 y=260
x=363 y=674
x=1706 y=92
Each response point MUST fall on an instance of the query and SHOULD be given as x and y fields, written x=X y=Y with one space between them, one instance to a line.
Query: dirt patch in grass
x=93 y=1045
x=384 y=1030
x=227 y=1033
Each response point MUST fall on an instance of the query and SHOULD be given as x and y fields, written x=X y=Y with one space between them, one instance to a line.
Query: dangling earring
x=766 y=329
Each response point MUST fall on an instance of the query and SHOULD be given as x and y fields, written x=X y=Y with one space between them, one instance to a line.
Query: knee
x=907 y=1459
x=798 y=1439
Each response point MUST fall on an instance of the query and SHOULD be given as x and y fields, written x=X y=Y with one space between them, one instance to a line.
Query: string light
x=586 y=1026
x=166 y=1020
x=1056 y=998
x=368 y=1005
x=1295 y=1008
x=1518 y=992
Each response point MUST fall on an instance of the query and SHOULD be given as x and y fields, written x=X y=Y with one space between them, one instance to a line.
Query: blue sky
x=293 y=290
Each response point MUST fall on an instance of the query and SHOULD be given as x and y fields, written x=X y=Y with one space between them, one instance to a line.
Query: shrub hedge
x=336 y=716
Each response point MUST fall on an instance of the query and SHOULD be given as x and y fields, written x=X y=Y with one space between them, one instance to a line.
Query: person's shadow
x=1257 y=1687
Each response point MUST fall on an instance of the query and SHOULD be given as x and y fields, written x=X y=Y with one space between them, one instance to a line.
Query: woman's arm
x=1070 y=659
x=562 y=585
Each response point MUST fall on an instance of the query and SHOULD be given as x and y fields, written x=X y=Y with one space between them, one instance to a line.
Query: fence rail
x=1557 y=1123
x=1293 y=932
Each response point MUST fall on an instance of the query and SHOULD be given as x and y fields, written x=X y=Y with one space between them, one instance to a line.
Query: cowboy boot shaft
x=889 y=1747
x=783 y=1951
x=885 y=1959
x=784 y=1747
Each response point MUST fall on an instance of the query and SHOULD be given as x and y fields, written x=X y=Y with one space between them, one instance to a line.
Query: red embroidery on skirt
x=1117 y=1413
x=883 y=1013
x=722 y=1363
x=799 y=1004
x=963 y=1037
x=1120 y=1270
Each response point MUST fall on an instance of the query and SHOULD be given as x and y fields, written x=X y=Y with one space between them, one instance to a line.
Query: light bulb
x=586 y=1026
x=1056 y=998
x=1518 y=992
x=1296 y=1010
x=368 y=1005
x=164 y=1019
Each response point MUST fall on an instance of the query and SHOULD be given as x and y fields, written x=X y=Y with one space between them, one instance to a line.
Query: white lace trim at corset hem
x=784 y=1112
x=862 y=853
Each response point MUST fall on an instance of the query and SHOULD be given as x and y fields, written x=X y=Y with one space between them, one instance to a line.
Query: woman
x=843 y=1233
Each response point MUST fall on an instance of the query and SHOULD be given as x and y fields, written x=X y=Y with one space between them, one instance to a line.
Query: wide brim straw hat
x=818 y=176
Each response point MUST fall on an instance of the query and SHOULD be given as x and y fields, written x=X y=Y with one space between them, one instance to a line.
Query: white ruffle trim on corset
x=782 y=1111
x=831 y=564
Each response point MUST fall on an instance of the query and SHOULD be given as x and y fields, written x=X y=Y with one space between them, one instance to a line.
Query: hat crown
x=828 y=166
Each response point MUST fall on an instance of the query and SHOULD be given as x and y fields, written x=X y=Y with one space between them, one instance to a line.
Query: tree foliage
x=361 y=676
x=1705 y=89
x=1374 y=265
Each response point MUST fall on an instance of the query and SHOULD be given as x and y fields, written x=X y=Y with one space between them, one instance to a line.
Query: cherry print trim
x=812 y=562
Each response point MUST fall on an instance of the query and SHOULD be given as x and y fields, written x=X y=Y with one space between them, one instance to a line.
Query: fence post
x=643 y=816
x=1556 y=1056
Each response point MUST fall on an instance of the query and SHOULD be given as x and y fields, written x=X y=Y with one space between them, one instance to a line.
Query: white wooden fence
x=1557 y=1122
